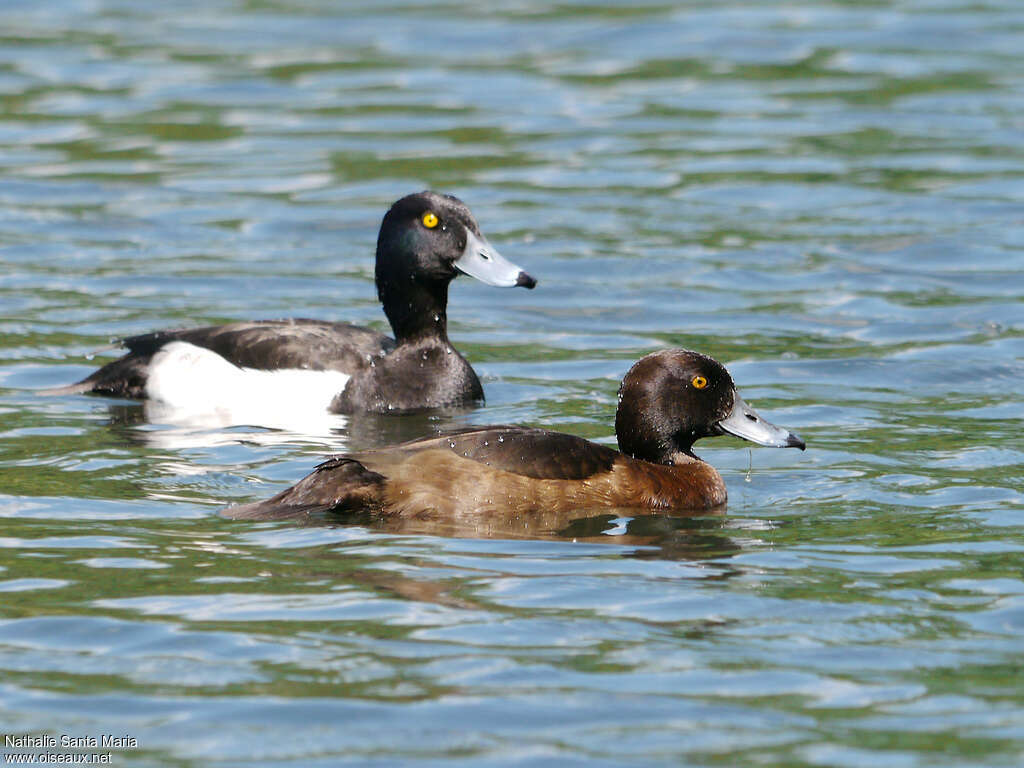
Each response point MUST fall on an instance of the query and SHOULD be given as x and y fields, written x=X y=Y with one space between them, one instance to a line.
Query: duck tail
x=124 y=377
x=340 y=484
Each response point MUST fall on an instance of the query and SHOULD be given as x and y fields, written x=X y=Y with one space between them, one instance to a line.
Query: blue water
x=826 y=197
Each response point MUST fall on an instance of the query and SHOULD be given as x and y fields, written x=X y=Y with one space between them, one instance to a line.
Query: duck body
x=517 y=470
x=425 y=241
x=667 y=401
x=262 y=345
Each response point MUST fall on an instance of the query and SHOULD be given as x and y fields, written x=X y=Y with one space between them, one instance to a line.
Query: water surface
x=827 y=197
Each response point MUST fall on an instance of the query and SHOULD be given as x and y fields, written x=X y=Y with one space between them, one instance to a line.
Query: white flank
x=192 y=386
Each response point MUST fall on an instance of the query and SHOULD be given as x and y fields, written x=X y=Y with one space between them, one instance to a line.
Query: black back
x=312 y=345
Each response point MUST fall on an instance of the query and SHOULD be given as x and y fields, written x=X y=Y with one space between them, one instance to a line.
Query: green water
x=825 y=196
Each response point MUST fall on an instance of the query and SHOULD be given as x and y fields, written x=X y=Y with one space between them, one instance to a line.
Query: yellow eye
x=699 y=382
x=429 y=220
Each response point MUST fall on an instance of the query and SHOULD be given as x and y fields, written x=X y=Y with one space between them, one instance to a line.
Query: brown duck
x=668 y=400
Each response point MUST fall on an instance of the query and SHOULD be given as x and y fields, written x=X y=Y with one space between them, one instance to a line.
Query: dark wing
x=271 y=344
x=536 y=453
x=264 y=344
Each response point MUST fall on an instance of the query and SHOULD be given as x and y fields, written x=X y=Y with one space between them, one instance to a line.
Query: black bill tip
x=524 y=280
x=794 y=441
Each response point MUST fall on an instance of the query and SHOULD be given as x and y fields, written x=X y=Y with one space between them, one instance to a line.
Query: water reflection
x=680 y=536
x=670 y=536
x=825 y=196
x=334 y=432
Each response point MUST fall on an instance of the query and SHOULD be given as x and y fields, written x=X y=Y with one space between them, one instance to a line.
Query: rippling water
x=827 y=197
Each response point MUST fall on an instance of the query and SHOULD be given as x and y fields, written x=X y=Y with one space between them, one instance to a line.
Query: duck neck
x=684 y=457
x=642 y=436
x=668 y=455
x=416 y=309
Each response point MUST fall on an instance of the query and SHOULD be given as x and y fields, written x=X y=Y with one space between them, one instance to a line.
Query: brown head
x=672 y=398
